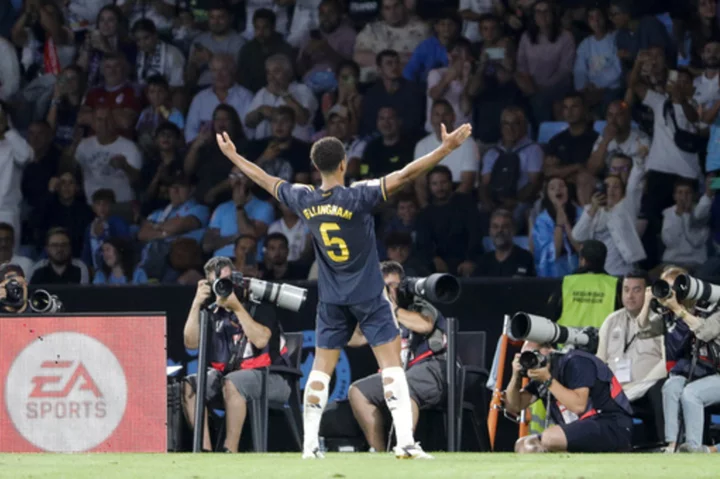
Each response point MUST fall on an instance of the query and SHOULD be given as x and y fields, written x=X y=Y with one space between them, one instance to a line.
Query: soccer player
x=350 y=286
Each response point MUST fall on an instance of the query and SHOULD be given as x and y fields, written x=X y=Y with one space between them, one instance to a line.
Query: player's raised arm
x=450 y=141
x=256 y=174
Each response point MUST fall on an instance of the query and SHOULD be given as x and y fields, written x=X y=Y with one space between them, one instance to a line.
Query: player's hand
x=456 y=138
x=226 y=145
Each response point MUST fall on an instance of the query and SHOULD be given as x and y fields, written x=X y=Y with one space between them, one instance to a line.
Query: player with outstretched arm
x=350 y=286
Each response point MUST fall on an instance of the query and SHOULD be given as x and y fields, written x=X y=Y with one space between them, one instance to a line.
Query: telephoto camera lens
x=532 y=360
x=661 y=289
x=223 y=287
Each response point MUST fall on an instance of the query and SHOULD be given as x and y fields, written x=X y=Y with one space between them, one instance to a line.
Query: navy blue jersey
x=343 y=231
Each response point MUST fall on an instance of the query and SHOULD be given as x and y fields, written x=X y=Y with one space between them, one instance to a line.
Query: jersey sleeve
x=370 y=193
x=291 y=195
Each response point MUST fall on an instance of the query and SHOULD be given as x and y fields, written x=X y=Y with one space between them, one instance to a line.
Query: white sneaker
x=314 y=454
x=413 y=451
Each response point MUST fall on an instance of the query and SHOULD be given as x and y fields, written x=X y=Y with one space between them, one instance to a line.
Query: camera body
x=14 y=294
x=224 y=287
x=532 y=360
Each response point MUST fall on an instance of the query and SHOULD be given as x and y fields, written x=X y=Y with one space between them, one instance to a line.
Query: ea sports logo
x=66 y=392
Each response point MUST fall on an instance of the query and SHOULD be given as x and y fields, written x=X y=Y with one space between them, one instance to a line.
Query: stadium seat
x=549 y=129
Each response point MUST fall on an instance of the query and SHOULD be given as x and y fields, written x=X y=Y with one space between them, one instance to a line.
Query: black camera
x=14 y=294
x=661 y=289
x=532 y=360
x=224 y=287
x=436 y=288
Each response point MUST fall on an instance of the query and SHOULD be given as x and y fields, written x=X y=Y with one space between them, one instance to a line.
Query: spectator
x=569 y=151
x=224 y=91
x=598 y=73
x=473 y=12
x=508 y=260
x=638 y=362
x=653 y=72
x=222 y=39
x=545 y=61
x=449 y=83
x=388 y=152
x=610 y=219
x=183 y=217
x=282 y=90
x=281 y=11
x=15 y=153
x=156 y=57
x=297 y=234
x=433 y=52
x=265 y=44
x=685 y=227
x=586 y=185
x=492 y=86
x=37 y=174
x=59 y=267
x=281 y=154
x=109 y=37
x=158 y=111
x=462 y=163
x=618 y=137
x=394 y=91
x=161 y=164
x=65 y=105
x=707 y=96
x=65 y=208
x=346 y=94
x=276 y=266
x=338 y=125
x=399 y=249
x=702 y=27
x=186 y=262
x=104 y=226
x=118 y=266
x=633 y=177
x=7 y=250
x=117 y=96
x=108 y=160
x=404 y=217
x=245 y=256
x=447 y=228
x=160 y=13
x=553 y=246
x=205 y=161
x=396 y=30
x=245 y=214
x=635 y=34
x=9 y=70
x=511 y=170
x=332 y=43
x=305 y=18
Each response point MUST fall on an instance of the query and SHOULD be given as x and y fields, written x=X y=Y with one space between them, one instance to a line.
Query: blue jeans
x=694 y=397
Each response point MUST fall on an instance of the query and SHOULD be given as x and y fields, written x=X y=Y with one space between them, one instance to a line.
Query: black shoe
x=226 y=450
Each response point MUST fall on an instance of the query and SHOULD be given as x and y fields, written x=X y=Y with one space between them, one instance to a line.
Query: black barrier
x=480 y=308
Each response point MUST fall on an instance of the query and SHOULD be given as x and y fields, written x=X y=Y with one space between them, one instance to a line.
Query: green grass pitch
x=357 y=465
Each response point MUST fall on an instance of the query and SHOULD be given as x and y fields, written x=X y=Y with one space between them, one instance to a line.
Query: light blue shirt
x=597 y=63
x=204 y=104
x=224 y=219
x=430 y=54
x=189 y=208
x=712 y=162
x=531 y=159
x=139 y=277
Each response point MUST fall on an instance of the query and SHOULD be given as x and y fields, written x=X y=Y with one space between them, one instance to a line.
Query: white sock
x=312 y=411
x=397 y=397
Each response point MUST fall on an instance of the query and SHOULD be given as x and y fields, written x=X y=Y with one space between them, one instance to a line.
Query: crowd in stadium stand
x=592 y=120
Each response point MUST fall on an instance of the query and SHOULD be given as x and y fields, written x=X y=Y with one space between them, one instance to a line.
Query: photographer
x=423 y=353
x=586 y=403
x=686 y=333
x=239 y=346
x=13 y=290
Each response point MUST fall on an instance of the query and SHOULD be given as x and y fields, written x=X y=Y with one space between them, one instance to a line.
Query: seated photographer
x=13 y=290
x=587 y=405
x=239 y=346
x=687 y=332
x=638 y=363
x=423 y=353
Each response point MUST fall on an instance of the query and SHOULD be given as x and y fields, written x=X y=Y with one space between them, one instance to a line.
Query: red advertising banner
x=83 y=384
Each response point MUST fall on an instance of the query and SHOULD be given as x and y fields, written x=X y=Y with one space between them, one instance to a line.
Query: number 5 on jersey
x=334 y=243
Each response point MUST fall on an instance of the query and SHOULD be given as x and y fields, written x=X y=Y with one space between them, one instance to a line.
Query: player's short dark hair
x=103 y=194
x=327 y=154
x=144 y=25
x=242 y=237
x=264 y=14
x=8 y=268
x=284 y=110
x=390 y=267
x=638 y=274
x=442 y=169
x=460 y=42
x=277 y=236
x=443 y=102
x=58 y=230
x=574 y=95
x=489 y=17
x=385 y=53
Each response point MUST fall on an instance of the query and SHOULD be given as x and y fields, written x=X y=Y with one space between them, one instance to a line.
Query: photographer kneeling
x=586 y=402
x=239 y=345
x=13 y=290
x=687 y=332
x=422 y=329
